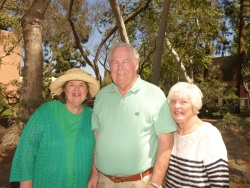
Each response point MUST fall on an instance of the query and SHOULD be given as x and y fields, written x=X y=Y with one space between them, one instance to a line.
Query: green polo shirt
x=128 y=127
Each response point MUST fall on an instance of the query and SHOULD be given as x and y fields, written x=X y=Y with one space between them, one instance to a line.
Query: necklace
x=74 y=110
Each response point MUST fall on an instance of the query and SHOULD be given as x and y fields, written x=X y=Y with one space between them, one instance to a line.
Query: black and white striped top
x=198 y=159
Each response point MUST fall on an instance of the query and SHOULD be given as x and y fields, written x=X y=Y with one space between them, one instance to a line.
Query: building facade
x=244 y=90
x=10 y=59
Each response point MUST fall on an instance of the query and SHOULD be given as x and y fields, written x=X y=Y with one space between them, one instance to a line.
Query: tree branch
x=94 y=65
x=114 y=29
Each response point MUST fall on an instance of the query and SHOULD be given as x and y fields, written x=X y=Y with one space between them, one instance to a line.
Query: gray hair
x=123 y=44
x=189 y=90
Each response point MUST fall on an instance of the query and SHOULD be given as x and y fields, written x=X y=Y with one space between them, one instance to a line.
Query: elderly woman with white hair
x=199 y=155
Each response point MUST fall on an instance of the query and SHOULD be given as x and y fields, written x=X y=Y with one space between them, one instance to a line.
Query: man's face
x=123 y=67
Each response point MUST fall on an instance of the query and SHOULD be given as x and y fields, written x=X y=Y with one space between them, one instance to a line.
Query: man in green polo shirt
x=133 y=127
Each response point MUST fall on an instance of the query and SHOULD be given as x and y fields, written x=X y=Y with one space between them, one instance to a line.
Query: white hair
x=123 y=44
x=188 y=90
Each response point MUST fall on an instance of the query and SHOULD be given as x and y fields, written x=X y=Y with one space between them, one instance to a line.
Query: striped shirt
x=198 y=159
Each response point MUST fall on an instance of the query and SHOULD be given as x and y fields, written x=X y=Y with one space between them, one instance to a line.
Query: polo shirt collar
x=137 y=86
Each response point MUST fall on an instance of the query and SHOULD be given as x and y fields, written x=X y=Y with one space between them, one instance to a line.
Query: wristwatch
x=154 y=184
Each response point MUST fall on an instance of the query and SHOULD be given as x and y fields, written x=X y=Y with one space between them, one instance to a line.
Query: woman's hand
x=26 y=184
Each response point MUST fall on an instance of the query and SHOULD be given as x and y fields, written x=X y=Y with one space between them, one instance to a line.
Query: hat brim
x=94 y=86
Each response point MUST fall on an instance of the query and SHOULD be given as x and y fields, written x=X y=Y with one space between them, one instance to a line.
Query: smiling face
x=76 y=92
x=181 y=108
x=123 y=67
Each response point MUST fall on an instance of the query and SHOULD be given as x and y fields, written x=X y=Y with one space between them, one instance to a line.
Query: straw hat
x=75 y=74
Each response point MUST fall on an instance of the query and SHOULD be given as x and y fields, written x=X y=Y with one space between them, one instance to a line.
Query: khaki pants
x=105 y=182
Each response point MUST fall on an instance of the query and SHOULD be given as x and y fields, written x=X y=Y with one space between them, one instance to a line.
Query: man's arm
x=165 y=144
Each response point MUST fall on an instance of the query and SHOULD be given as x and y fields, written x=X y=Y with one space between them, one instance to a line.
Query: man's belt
x=118 y=179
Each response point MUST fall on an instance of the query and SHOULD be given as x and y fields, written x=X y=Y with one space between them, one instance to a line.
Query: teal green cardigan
x=40 y=154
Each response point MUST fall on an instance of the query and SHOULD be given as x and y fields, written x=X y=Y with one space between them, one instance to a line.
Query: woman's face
x=76 y=92
x=181 y=108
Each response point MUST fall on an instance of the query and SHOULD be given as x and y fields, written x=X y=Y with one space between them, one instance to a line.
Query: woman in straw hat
x=56 y=146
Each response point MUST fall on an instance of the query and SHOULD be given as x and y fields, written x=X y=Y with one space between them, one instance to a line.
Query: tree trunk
x=119 y=20
x=31 y=89
x=240 y=54
x=160 y=43
x=178 y=61
x=247 y=88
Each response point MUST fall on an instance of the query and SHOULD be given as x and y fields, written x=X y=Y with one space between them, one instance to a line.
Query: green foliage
x=247 y=120
x=191 y=31
x=192 y=28
x=230 y=120
x=9 y=98
x=106 y=80
x=58 y=39
x=10 y=14
x=46 y=93
x=232 y=9
x=9 y=22
x=218 y=98
x=6 y=113
x=240 y=124
x=2 y=98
